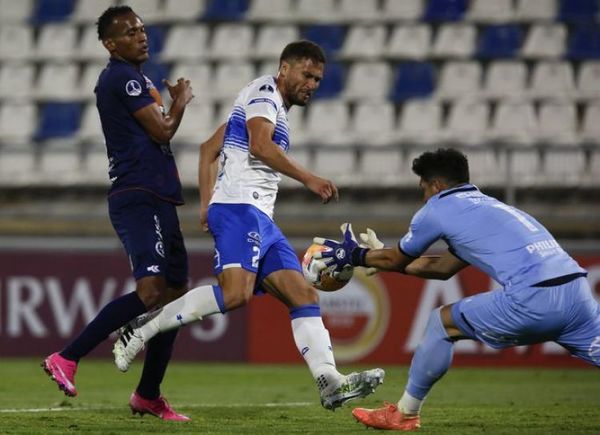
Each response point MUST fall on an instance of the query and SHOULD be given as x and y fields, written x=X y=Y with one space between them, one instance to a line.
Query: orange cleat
x=389 y=417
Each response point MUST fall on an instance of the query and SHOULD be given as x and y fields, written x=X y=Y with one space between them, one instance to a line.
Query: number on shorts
x=256 y=257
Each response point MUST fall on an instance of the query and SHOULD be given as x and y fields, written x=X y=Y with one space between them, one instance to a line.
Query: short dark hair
x=446 y=163
x=107 y=17
x=303 y=49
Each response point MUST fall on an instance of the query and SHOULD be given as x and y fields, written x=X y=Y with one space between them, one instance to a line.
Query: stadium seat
x=315 y=11
x=358 y=11
x=486 y=167
x=514 y=122
x=58 y=120
x=413 y=80
x=59 y=164
x=197 y=125
x=187 y=159
x=409 y=42
x=332 y=83
x=420 y=122
x=88 y=80
x=17 y=123
x=338 y=164
x=185 y=43
x=272 y=39
x=577 y=11
x=231 y=41
x=88 y=11
x=16 y=81
x=56 y=42
x=201 y=76
x=150 y=11
x=498 y=41
x=230 y=78
x=90 y=130
x=271 y=67
x=454 y=41
x=594 y=174
x=545 y=41
x=329 y=37
x=364 y=42
x=590 y=127
x=225 y=10
x=535 y=10
x=373 y=123
x=490 y=11
x=584 y=43
x=562 y=167
x=18 y=165
x=588 y=80
x=380 y=167
x=156 y=39
x=557 y=123
x=15 y=12
x=271 y=11
x=300 y=155
x=505 y=79
x=445 y=10
x=467 y=123
x=296 y=122
x=327 y=122
x=90 y=48
x=405 y=10
x=95 y=165
x=551 y=79
x=368 y=81
x=52 y=10
x=525 y=165
x=57 y=82
x=16 y=42
x=459 y=79
x=156 y=72
x=180 y=11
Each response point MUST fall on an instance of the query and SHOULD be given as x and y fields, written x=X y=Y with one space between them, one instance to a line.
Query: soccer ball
x=323 y=279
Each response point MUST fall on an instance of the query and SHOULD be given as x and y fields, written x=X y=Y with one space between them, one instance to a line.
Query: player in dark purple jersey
x=145 y=190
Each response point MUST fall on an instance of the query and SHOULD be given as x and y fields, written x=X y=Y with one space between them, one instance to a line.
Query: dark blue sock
x=158 y=354
x=114 y=315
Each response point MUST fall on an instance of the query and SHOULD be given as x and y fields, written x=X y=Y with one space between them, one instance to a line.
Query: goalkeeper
x=544 y=296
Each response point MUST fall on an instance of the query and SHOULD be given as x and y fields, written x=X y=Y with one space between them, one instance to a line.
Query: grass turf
x=238 y=398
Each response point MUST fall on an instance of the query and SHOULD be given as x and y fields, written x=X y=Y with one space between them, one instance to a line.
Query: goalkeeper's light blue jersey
x=504 y=242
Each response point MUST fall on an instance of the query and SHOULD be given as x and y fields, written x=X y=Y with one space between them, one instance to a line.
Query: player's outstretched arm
x=260 y=132
x=161 y=128
x=207 y=171
x=436 y=266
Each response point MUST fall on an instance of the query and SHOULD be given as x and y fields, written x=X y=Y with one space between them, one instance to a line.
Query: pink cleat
x=62 y=371
x=389 y=417
x=158 y=407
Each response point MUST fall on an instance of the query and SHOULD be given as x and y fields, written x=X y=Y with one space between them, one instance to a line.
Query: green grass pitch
x=240 y=398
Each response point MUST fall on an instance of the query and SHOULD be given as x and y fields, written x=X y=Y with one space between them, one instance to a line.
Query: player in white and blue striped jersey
x=239 y=172
x=544 y=295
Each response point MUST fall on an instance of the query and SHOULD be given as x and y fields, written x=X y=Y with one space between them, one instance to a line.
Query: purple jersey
x=135 y=160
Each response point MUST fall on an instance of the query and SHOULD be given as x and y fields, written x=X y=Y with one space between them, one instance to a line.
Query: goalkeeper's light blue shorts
x=248 y=238
x=567 y=314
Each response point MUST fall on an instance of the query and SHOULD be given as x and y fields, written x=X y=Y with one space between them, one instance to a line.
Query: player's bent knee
x=236 y=297
x=151 y=291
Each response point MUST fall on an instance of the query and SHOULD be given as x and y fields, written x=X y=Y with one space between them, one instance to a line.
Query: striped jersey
x=243 y=178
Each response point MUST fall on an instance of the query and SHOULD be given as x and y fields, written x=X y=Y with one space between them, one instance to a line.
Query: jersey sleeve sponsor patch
x=133 y=88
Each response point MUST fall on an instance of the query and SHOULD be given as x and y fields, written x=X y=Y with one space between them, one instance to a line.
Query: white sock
x=410 y=405
x=314 y=344
x=189 y=308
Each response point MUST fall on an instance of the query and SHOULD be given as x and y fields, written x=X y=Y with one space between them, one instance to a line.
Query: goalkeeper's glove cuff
x=359 y=256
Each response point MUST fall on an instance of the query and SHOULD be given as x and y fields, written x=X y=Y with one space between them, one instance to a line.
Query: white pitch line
x=196 y=405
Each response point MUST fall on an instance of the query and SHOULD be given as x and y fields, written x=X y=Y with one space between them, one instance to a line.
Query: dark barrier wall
x=46 y=298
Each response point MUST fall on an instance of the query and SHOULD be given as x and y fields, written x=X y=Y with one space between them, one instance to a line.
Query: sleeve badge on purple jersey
x=133 y=88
